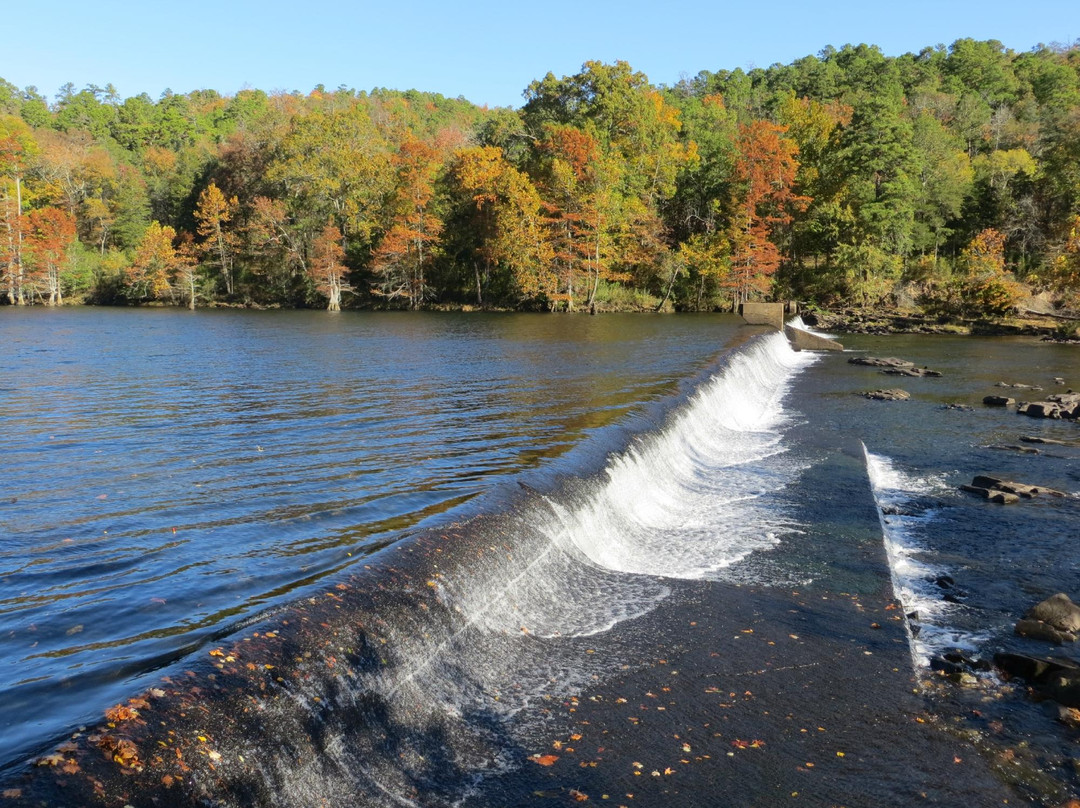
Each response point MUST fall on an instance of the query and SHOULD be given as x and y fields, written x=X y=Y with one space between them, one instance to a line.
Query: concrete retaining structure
x=806 y=341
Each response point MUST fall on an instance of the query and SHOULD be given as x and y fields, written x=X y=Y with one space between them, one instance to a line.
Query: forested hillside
x=947 y=179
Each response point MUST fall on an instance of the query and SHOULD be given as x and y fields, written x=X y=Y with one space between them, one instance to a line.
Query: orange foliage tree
x=408 y=246
x=50 y=235
x=766 y=201
x=327 y=267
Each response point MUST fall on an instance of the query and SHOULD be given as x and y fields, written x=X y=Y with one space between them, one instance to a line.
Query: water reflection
x=169 y=475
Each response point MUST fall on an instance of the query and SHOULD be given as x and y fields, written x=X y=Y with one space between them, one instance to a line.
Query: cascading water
x=395 y=686
x=904 y=509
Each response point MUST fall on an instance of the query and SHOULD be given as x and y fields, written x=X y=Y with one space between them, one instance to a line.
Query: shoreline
x=848 y=320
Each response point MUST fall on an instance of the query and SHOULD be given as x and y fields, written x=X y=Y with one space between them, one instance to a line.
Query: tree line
x=947 y=179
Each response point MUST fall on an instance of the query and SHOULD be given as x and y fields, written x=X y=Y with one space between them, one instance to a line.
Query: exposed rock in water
x=1000 y=497
x=958 y=407
x=1061 y=405
x=1011 y=487
x=912 y=371
x=887 y=395
x=881 y=362
x=1048 y=441
x=998 y=401
x=1018 y=386
x=1058 y=611
x=1009 y=447
x=1038 y=630
x=1036 y=670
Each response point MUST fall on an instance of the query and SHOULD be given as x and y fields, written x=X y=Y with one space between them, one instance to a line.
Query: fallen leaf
x=580 y=796
x=546 y=760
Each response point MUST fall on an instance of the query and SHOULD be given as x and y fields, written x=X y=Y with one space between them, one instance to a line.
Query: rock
x=912 y=371
x=1069 y=716
x=1039 y=409
x=945 y=666
x=1009 y=447
x=881 y=362
x=1064 y=690
x=1000 y=497
x=887 y=395
x=1055 y=678
x=998 y=401
x=1021 y=489
x=1018 y=386
x=1049 y=441
x=1034 y=669
x=971 y=663
x=1068 y=403
x=958 y=407
x=1038 y=630
x=1058 y=611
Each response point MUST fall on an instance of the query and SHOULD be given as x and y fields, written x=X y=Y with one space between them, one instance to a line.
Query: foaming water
x=905 y=505
x=693 y=499
x=797 y=322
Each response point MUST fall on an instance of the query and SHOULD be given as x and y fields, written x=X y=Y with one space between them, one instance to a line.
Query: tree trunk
x=479 y=293
x=20 y=299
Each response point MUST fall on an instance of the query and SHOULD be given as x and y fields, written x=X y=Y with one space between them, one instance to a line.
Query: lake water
x=171 y=478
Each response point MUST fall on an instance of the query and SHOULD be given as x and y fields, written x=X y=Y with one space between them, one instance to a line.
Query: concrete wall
x=770 y=314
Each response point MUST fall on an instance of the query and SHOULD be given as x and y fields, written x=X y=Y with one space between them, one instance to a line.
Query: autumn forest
x=946 y=181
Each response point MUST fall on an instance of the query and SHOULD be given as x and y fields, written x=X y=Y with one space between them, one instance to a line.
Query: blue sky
x=486 y=51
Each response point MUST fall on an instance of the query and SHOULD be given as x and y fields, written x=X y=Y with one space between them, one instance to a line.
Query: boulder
x=1000 y=497
x=1037 y=670
x=1068 y=404
x=887 y=395
x=1038 y=630
x=880 y=362
x=923 y=372
x=1022 y=489
x=998 y=401
x=1039 y=409
x=1064 y=690
x=1048 y=441
x=1058 y=611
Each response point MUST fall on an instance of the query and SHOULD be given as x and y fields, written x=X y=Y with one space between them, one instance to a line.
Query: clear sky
x=484 y=50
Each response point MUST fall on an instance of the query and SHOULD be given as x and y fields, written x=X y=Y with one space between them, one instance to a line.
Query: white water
x=687 y=501
x=693 y=499
x=913 y=577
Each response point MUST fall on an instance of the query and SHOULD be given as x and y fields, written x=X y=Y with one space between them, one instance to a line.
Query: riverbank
x=885 y=321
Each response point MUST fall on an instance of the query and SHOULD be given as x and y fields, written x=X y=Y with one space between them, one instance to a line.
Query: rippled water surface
x=168 y=475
